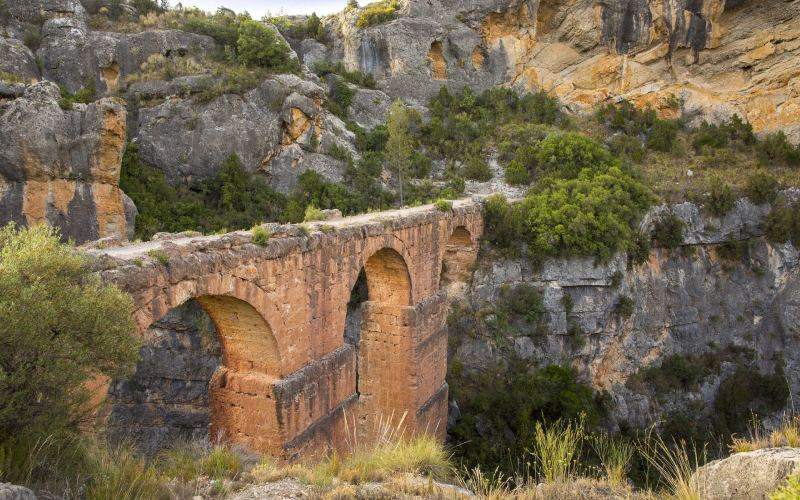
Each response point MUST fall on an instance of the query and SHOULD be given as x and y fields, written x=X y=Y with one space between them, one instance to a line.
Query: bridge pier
x=402 y=366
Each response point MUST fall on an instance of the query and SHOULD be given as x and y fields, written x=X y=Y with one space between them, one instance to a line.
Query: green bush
x=498 y=425
x=747 y=395
x=60 y=327
x=84 y=95
x=720 y=199
x=503 y=223
x=775 y=150
x=662 y=135
x=762 y=188
x=627 y=146
x=378 y=13
x=443 y=205
x=627 y=118
x=517 y=174
x=566 y=154
x=324 y=68
x=313 y=214
x=595 y=214
x=782 y=224
x=477 y=169
x=788 y=491
x=259 y=45
x=625 y=307
x=709 y=136
x=668 y=230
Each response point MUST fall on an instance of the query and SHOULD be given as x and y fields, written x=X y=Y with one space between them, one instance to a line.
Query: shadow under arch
x=388 y=278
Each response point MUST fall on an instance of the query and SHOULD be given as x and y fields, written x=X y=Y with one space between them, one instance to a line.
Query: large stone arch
x=388 y=278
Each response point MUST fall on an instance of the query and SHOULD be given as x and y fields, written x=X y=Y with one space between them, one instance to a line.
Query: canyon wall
x=705 y=60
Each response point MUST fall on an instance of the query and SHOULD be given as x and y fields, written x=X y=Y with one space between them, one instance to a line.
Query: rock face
x=279 y=129
x=62 y=166
x=689 y=300
x=166 y=400
x=711 y=59
x=747 y=476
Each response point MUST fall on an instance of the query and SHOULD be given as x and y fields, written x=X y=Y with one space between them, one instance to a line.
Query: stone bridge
x=289 y=382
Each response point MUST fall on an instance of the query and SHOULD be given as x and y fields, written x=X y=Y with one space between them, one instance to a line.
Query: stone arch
x=388 y=278
x=459 y=254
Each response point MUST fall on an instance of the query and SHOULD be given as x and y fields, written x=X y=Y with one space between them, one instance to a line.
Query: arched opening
x=388 y=280
x=352 y=323
x=187 y=384
x=459 y=254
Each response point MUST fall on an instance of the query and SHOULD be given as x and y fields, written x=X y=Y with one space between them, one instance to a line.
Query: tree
x=400 y=145
x=60 y=327
x=259 y=45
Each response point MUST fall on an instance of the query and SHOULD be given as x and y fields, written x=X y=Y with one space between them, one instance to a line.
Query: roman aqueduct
x=289 y=380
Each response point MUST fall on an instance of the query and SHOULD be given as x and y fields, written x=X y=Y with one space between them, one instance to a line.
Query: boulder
x=368 y=108
x=312 y=51
x=17 y=59
x=10 y=491
x=61 y=166
x=753 y=475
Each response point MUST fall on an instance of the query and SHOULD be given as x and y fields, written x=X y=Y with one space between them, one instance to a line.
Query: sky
x=258 y=8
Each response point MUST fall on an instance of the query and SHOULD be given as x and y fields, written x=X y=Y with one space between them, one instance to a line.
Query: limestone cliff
x=62 y=166
x=739 y=308
x=706 y=59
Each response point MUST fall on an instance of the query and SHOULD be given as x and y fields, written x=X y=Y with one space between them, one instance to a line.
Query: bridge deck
x=134 y=250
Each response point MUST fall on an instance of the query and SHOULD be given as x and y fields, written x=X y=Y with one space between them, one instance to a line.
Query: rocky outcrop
x=166 y=400
x=61 y=166
x=710 y=59
x=17 y=59
x=747 y=476
x=279 y=129
x=738 y=306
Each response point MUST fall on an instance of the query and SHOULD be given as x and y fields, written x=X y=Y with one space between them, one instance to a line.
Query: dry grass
x=786 y=434
x=675 y=462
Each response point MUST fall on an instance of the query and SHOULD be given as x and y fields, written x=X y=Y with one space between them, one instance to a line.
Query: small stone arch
x=459 y=254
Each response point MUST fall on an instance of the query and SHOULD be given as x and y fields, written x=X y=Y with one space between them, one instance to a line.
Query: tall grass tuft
x=615 y=456
x=675 y=463
x=556 y=448
x=121 y=474
x=490 y=487
x=787 y=433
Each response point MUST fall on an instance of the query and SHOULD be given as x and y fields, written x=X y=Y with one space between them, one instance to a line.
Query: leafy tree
x=566 y=154
x=60 y=327
x=593 y=214
x=259 y=45
x=400 y=145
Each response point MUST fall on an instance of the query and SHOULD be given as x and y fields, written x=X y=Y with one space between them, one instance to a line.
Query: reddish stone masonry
x=288 y=380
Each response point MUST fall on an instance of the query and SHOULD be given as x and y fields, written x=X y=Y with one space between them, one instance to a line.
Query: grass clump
x=159 y=256
x=313 y=214
x=443 y=205
x=675 y=463
x=84 y=95
x=615 y=456
x=378 y=13
x=555 y=448
x=261 y=235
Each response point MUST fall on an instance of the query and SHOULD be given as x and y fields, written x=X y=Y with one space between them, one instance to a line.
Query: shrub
x=762 y=188
x=443 y=205
x=517 y=174
x=32 y=38
x=782 y=224
x=566 y=154
x=84 y=95
x=595 y=214
x=668 y=230
x=625 y=307
x=788 y=491
x=60 y=328
x=477 y=169
x=323 y=68
x=776 y=150
x=313 y=214
x=616 y=279
x=378 y=13
x=747 y=394
x=258 y=45
x=261 y=235
x=662 y=135
x=709 y=136
x=503 y=222
x=720 y=199
x=627 y=146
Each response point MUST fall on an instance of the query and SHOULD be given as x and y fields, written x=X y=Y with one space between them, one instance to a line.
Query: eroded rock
x=753 y=475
